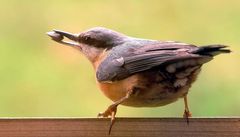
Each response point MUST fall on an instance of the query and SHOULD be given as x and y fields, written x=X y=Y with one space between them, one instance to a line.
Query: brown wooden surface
x=124 y=127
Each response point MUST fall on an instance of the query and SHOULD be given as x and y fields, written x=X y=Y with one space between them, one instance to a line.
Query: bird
x=139 y=72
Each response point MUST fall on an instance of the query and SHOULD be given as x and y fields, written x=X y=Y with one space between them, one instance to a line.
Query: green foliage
x=39 y=77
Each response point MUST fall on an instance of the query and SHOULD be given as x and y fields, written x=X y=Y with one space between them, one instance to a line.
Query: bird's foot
x=186 y=115
x=112 y=109
x=110 y=112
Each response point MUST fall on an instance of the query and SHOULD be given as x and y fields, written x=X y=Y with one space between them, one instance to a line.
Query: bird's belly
x=156 y=97
x=148 y=94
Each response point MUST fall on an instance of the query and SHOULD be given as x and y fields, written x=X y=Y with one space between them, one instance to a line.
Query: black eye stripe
x=87 y=38
x=100 y=41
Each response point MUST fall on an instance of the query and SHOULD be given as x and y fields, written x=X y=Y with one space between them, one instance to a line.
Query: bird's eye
x=87 y=38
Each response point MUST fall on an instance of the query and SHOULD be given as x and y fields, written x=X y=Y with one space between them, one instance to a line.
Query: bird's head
x=91 y=42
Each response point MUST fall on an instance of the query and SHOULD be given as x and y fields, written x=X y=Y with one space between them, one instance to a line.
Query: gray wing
x=133 y=60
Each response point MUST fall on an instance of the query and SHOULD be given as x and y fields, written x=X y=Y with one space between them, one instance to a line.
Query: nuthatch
x=140 y=72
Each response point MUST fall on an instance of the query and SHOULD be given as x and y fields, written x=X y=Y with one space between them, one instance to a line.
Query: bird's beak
x=58 y=36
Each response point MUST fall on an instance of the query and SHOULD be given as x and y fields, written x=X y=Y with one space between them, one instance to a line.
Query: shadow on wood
x=124 y=127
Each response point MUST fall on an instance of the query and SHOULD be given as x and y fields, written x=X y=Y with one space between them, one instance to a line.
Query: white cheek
x=91 y=53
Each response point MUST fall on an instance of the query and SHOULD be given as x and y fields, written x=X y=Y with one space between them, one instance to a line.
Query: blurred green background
x=40 y=78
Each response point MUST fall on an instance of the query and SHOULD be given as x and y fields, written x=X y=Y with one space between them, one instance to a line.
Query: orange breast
x=117 y=90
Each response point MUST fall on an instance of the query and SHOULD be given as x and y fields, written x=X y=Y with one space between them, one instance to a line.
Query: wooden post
x=124 y=127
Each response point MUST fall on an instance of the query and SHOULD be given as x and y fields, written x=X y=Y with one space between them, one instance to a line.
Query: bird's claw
x=186 y=115
x=102 y=115
x=108 y=113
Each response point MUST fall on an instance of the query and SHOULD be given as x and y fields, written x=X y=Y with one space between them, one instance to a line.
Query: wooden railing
x=124 y=127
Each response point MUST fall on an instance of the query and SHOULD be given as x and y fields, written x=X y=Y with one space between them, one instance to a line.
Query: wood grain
x=124 y=127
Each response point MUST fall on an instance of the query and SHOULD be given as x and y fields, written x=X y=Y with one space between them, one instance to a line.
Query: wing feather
x=142 y=59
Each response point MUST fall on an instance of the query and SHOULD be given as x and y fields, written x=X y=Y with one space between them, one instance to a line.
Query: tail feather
x=211 y=50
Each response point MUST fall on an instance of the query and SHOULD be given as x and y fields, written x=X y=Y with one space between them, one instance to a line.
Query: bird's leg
x=112 y=110
x=187 y=113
